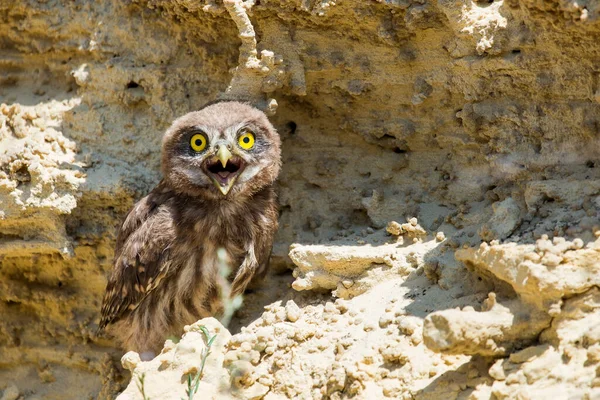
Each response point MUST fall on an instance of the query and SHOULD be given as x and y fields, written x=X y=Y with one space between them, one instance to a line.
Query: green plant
x=194 y=382
x=140 y=385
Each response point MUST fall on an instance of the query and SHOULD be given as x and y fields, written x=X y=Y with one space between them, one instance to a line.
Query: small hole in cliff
x=516 y=51
x=21 y=175
x=459 y=118
x=590 y=164
x=398 y=150
x=60 y=284
x=292 y=127
x=132 y=85
x=360 y=217
x=285 y=208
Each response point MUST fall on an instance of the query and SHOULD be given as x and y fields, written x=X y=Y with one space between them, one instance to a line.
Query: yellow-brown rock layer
x=478 y=119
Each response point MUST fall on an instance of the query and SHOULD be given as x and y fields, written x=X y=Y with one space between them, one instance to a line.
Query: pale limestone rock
x=292 y=311
x=351 y=270
x=495 y=331
x=165 y=377
x=535 y=282
x=504 y=221
x=480 y=26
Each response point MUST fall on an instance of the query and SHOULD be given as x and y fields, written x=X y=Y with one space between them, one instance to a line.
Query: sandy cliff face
x=478 y=118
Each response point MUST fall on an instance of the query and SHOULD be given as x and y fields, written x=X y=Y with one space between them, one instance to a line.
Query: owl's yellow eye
x=246 y=141
x=198 y=142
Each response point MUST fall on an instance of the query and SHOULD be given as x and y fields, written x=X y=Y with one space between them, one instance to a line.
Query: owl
x=216 y=202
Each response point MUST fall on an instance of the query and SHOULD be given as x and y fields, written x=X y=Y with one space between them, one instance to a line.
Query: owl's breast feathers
x=158 y=234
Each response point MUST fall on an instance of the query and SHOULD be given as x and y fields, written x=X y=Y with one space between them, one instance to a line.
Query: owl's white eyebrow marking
x=206 y=130
x=235 y=129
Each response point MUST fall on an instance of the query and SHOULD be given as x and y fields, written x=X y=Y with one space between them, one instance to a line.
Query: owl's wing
x=142 y=258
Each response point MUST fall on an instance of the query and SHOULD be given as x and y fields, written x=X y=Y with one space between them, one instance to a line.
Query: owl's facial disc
x=223 y=169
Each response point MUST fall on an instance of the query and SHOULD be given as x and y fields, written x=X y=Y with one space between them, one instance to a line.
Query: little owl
x=219 y=165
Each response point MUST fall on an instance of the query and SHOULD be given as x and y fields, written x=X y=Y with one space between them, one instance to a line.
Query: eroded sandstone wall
x=479 y=118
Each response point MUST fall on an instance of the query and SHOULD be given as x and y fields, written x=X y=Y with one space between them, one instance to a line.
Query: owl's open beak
x=224 y=155
x=224 y=169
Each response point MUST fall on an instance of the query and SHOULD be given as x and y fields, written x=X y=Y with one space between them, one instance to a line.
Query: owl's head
x=224 y=150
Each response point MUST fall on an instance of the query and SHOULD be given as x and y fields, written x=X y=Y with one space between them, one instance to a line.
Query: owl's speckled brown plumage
x=165 y=272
